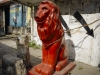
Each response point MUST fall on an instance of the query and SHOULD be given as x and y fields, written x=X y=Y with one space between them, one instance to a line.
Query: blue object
x=16 y=15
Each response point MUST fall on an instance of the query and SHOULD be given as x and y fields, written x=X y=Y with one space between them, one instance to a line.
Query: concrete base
x=64 y=71
x=2 y=31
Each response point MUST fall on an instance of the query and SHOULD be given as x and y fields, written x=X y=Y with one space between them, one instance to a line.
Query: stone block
x=13 y=65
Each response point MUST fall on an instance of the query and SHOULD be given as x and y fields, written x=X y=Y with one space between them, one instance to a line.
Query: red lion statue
x=51 y=33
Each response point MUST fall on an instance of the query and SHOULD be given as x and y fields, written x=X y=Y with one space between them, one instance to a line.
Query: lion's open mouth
x=40 y=22
x=40 y=19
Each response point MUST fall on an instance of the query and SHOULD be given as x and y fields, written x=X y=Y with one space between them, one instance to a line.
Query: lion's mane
x=52 y=29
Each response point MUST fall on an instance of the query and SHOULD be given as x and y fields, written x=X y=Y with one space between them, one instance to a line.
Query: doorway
x=7 y=20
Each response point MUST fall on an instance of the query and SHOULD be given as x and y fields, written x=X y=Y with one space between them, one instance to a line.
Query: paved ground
x=8 y=45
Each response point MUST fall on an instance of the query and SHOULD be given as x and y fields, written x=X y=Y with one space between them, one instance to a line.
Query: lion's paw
x=47 y=70
x=38 y=67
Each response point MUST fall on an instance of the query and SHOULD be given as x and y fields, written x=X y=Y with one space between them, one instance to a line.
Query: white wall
x=35 y=34
x=89 y=51
x=1 y=0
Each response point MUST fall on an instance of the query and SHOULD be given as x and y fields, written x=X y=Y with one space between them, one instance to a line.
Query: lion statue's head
x=48 y=22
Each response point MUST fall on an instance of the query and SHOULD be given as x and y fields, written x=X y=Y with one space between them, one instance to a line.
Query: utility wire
x=67 y=31
x=81 y=42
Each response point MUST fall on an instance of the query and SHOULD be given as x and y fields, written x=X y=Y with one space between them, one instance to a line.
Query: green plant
x=34 y=45
x=80 y=68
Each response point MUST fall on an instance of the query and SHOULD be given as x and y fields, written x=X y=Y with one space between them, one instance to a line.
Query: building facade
x=14 y=18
